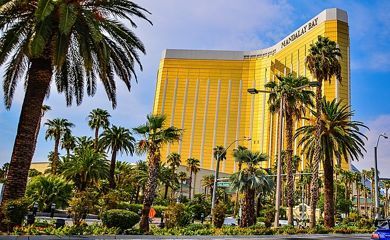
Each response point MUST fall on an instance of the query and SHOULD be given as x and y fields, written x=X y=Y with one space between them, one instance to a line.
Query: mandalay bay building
x=205 y=92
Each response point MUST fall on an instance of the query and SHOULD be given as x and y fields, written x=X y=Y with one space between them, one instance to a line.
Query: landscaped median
x=190 y=230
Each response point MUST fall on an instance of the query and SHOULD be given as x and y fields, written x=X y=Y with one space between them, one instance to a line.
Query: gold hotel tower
x=205 y=92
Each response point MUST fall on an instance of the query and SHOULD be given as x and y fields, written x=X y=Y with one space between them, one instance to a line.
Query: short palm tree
x=295 y=100
x=154 y=135
x=182 y=178
x=323 y=63
x=357 y=178
x=340 y=137
x=56 y=129
x=86 y=167
x=174 y=160
x=117 y=139
x=193 y=165
x=98 y=118
x=168 y=178
x=68 y=142
x=248 y=181
x=73 y=43
x=208 y=182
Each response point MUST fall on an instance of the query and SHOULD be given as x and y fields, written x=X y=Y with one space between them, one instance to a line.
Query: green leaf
x=44 y=9
x=68 y=17
x=37 y=44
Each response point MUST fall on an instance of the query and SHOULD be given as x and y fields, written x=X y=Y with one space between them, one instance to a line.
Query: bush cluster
x=119 y=218
x=14 y=212
x=94 y=229
x=176 y=215
x=138 y=207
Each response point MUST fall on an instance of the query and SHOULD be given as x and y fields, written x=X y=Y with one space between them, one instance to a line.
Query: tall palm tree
x=168 y=178
x=154 y=135
x=174 y=160
x=86 y=167
x=357 y=178
x=193 y=165
x=323 y=63
x=371 y=176
x=340 y=137
x=182 y=177
x=68 y=143
x=248 y=180
x=117 y=139
x=295 y=99
x=386 y=184
x=56 y=129
x=76 y=43
x=239 y=155
x=98 y=118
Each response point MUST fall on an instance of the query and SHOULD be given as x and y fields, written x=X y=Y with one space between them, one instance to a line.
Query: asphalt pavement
x=143 y=237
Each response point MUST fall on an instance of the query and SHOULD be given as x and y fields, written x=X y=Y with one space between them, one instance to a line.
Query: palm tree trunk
x=194 y=188
x=248 y=213
x=54 y=164
x=96 y=142
x=137 y=194
x=151 y=185
x=38 y=84
x=358 y=198
x=290 y=177
x=372 y=198
x=328 y=193
x=236 y=208
x=316 y=157
x=365 y=202
x=190 y=186
x=112 y=169
x=166 y=191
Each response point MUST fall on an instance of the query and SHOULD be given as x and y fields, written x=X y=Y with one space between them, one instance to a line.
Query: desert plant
x=219 y=214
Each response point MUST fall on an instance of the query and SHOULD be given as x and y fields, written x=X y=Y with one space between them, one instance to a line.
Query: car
x=383 y=230
x=230 y=221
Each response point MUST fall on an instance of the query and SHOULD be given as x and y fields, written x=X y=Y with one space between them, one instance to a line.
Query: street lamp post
x=280 y=147
x=217 y=173
x=376 y=178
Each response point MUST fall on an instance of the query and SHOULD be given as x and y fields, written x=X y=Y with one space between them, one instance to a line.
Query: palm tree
x=68 y=143
x=295 y=99
x=117 y=139
x=323 y=63
x=98 y=118
x=340 y=137
x=238 y=154
x=154 y=136
x=182 y=177
x=386 y=184
x=141 y=177
x=357 y=178
x=193 y=165
x=56 y=129
x=248 y=181
x=168 y=178
x=207 y=182
x=76 y=43
x=174 y=160
x=86 y=167
x=371 y=176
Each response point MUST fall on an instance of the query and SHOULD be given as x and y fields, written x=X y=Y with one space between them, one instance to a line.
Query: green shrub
x=49 y=189
x=14 y=212
x=138 y=207
x=122 y=219
x=82 y=204
x=176 y=215
x=219 y=214
x=93 y=229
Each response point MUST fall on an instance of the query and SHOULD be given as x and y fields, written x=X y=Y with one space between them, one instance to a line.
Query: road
x=280 y=237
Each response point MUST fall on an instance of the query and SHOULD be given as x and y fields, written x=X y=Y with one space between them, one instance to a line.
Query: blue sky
x=234 y=25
